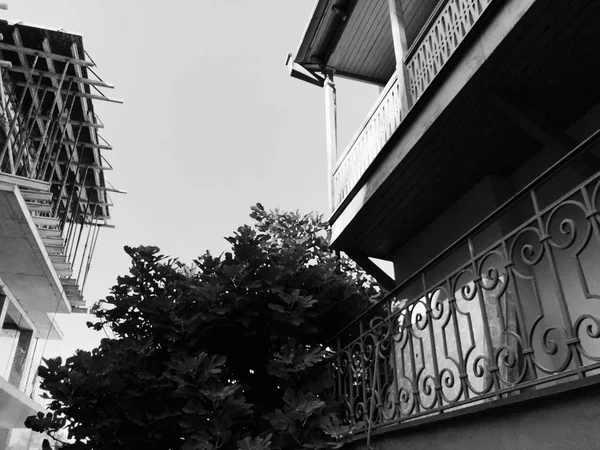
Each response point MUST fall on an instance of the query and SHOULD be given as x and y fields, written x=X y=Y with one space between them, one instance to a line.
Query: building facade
x=477 y=175
x=54 y=199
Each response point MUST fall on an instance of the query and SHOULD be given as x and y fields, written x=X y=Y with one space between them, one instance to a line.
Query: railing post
x=400 y=50
x=331 y=131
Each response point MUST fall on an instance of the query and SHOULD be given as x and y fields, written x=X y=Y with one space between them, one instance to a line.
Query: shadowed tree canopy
x=228 y=353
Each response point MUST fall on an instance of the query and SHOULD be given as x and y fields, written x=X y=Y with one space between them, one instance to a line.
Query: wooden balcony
x=448 y=26
x=484 y=105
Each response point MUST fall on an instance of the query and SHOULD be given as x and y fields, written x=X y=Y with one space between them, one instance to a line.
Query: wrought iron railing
x=511 y=307
x=442 y=34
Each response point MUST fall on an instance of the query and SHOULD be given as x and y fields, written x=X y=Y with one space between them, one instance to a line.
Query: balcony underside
x=456 y=134
x=28 y=272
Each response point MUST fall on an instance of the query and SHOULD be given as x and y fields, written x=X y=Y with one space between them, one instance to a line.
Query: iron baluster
x=572 y=340
x=493 y=370
x=394 y=388
x=85 y=247
x=462 y=364
x=429 y=324
x=65 y=178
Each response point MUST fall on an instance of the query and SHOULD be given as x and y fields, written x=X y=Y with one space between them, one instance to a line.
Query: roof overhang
x=353 y=39
x=321 y=36
x=309 y=40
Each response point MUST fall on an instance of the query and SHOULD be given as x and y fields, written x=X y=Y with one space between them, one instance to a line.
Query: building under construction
x=54 y=198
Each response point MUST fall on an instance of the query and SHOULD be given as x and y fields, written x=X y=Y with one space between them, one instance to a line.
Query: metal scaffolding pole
x=90 y=256
x=51 y=112
x=65 y=176
x=48 y=156
x=18 y=109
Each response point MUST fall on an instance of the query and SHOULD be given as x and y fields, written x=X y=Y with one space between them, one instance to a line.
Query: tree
x=229 y=353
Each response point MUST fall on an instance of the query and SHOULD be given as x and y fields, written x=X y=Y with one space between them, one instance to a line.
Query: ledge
x=29 y=273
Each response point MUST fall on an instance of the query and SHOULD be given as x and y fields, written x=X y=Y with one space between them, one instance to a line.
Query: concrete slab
x=25 y=266
x=15 y=406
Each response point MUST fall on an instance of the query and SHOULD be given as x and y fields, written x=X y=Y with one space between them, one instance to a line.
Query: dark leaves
x=225 y=354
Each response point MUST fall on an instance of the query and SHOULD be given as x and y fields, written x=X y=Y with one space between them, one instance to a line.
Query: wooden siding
x=365 y=47
x=416 y=13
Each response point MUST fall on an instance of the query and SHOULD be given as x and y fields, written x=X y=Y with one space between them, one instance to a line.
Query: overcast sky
x=211 y=124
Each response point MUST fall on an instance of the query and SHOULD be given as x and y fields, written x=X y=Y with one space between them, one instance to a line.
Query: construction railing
x=51 y=147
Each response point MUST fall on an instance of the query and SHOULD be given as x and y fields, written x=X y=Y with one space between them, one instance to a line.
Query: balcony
x=510 y=310
x=484 y=106
x=441 y=36
x=52 y=184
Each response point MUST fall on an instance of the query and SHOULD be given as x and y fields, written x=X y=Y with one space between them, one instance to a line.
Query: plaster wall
x=566 y=421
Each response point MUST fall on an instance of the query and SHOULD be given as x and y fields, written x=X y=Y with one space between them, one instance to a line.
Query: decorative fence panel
x=448 y=27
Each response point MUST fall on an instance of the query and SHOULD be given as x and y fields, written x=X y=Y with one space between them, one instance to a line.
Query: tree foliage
x=229 y=353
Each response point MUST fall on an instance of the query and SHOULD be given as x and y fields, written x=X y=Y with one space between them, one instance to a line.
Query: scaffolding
x=51 y=146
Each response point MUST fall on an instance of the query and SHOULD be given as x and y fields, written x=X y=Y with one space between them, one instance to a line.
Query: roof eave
x=302 y=54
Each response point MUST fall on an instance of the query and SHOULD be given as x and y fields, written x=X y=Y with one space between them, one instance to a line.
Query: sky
x=211 y=123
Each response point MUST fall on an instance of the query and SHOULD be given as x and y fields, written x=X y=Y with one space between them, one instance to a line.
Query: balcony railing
x=446 y=29
x=382 y=121
x=511 y=307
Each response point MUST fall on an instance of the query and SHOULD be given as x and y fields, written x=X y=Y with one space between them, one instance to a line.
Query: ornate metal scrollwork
x=521 y=312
